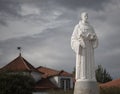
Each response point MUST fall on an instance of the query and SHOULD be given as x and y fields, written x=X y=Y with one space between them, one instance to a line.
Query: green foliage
x=102 y=75
x=16 y=84
x=73 y=72
x=110 y=90
x=60 y=92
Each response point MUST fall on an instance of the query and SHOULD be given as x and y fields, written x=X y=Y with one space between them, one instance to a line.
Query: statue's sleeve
x=95 y=42
x=74 y=40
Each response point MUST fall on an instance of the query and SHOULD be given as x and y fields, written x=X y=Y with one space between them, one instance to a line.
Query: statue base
x=86 y=87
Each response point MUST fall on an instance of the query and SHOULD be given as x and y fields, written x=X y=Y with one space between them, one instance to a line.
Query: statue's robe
x=85 y=66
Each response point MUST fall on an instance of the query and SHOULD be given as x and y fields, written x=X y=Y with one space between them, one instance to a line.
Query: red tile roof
x=18 y=64
x=47 y=71
x=51 y=72
x=64 y=73
x=113 y=83
x=45 y=83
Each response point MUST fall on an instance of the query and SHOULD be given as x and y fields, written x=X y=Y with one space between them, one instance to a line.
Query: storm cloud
x=43 y=29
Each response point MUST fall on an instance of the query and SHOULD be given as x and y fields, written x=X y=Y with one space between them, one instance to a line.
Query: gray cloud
x=48 y=45
x=75 y=4
x=12 y=8
x=9 y=9
x=43 y=29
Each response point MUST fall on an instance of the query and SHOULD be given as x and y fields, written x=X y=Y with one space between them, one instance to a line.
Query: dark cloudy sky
x=43 y=29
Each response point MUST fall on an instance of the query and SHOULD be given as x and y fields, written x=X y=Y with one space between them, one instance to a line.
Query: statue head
x=84 y=16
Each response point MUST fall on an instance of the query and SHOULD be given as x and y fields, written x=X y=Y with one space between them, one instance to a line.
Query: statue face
x=84 y=16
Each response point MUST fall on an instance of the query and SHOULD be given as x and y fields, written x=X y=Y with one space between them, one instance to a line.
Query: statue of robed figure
x=83 y=41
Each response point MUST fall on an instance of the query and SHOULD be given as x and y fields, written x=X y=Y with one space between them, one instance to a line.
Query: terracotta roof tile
x=51 y=72
x=18 y=64
x=113 y=83
x=45 y=83
x=47 y=71
x=64 y=73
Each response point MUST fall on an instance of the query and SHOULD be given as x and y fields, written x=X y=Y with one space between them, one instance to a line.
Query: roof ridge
x=10 y=62
x=25 y=62
x=48 y=68
x=38 y=67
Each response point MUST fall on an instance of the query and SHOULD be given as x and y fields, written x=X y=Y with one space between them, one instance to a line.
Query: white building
x=45 y=78
x=61 y=79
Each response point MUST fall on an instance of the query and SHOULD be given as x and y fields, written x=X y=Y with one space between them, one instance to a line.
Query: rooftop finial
x=19 y=48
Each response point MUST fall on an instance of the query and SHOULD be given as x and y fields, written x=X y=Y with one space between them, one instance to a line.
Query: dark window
x=65 y=83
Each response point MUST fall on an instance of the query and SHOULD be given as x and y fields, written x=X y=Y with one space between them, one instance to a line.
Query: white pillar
x=64 y=85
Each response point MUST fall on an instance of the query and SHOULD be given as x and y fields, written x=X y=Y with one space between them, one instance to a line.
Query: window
x=65 y=83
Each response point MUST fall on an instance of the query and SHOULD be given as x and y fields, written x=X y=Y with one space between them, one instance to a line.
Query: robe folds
x=83 y=42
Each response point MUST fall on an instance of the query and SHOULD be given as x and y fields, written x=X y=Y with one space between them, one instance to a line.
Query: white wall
x=56 y=80
x=36 y=75
x=71 y=83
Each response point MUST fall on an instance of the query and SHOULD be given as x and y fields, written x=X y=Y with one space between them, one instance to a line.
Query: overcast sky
x=43 y=29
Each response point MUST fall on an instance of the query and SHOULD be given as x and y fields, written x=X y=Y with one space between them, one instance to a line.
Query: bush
x=102 y=76
x=60 y=92
x=16 y=84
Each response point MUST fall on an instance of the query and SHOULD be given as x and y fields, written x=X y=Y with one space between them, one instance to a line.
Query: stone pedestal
x=86 y=87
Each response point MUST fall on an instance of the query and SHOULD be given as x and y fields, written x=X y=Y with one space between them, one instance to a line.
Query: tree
x=16 y=84
x=73 y=72
x=102 y=75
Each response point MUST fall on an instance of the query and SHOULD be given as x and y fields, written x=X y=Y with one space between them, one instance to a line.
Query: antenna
x=19 y=48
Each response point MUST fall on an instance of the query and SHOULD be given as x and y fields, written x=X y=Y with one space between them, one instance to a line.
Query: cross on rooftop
x=19 y=48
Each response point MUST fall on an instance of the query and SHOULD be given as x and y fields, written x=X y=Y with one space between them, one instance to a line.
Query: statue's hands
x=82 y=35
x=93 y=37
x=89 y=36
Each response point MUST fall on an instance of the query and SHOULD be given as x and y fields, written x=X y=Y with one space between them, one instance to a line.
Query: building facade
x=46 y=78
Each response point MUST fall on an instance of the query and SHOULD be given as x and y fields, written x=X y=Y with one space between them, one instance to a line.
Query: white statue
x=83 y=42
